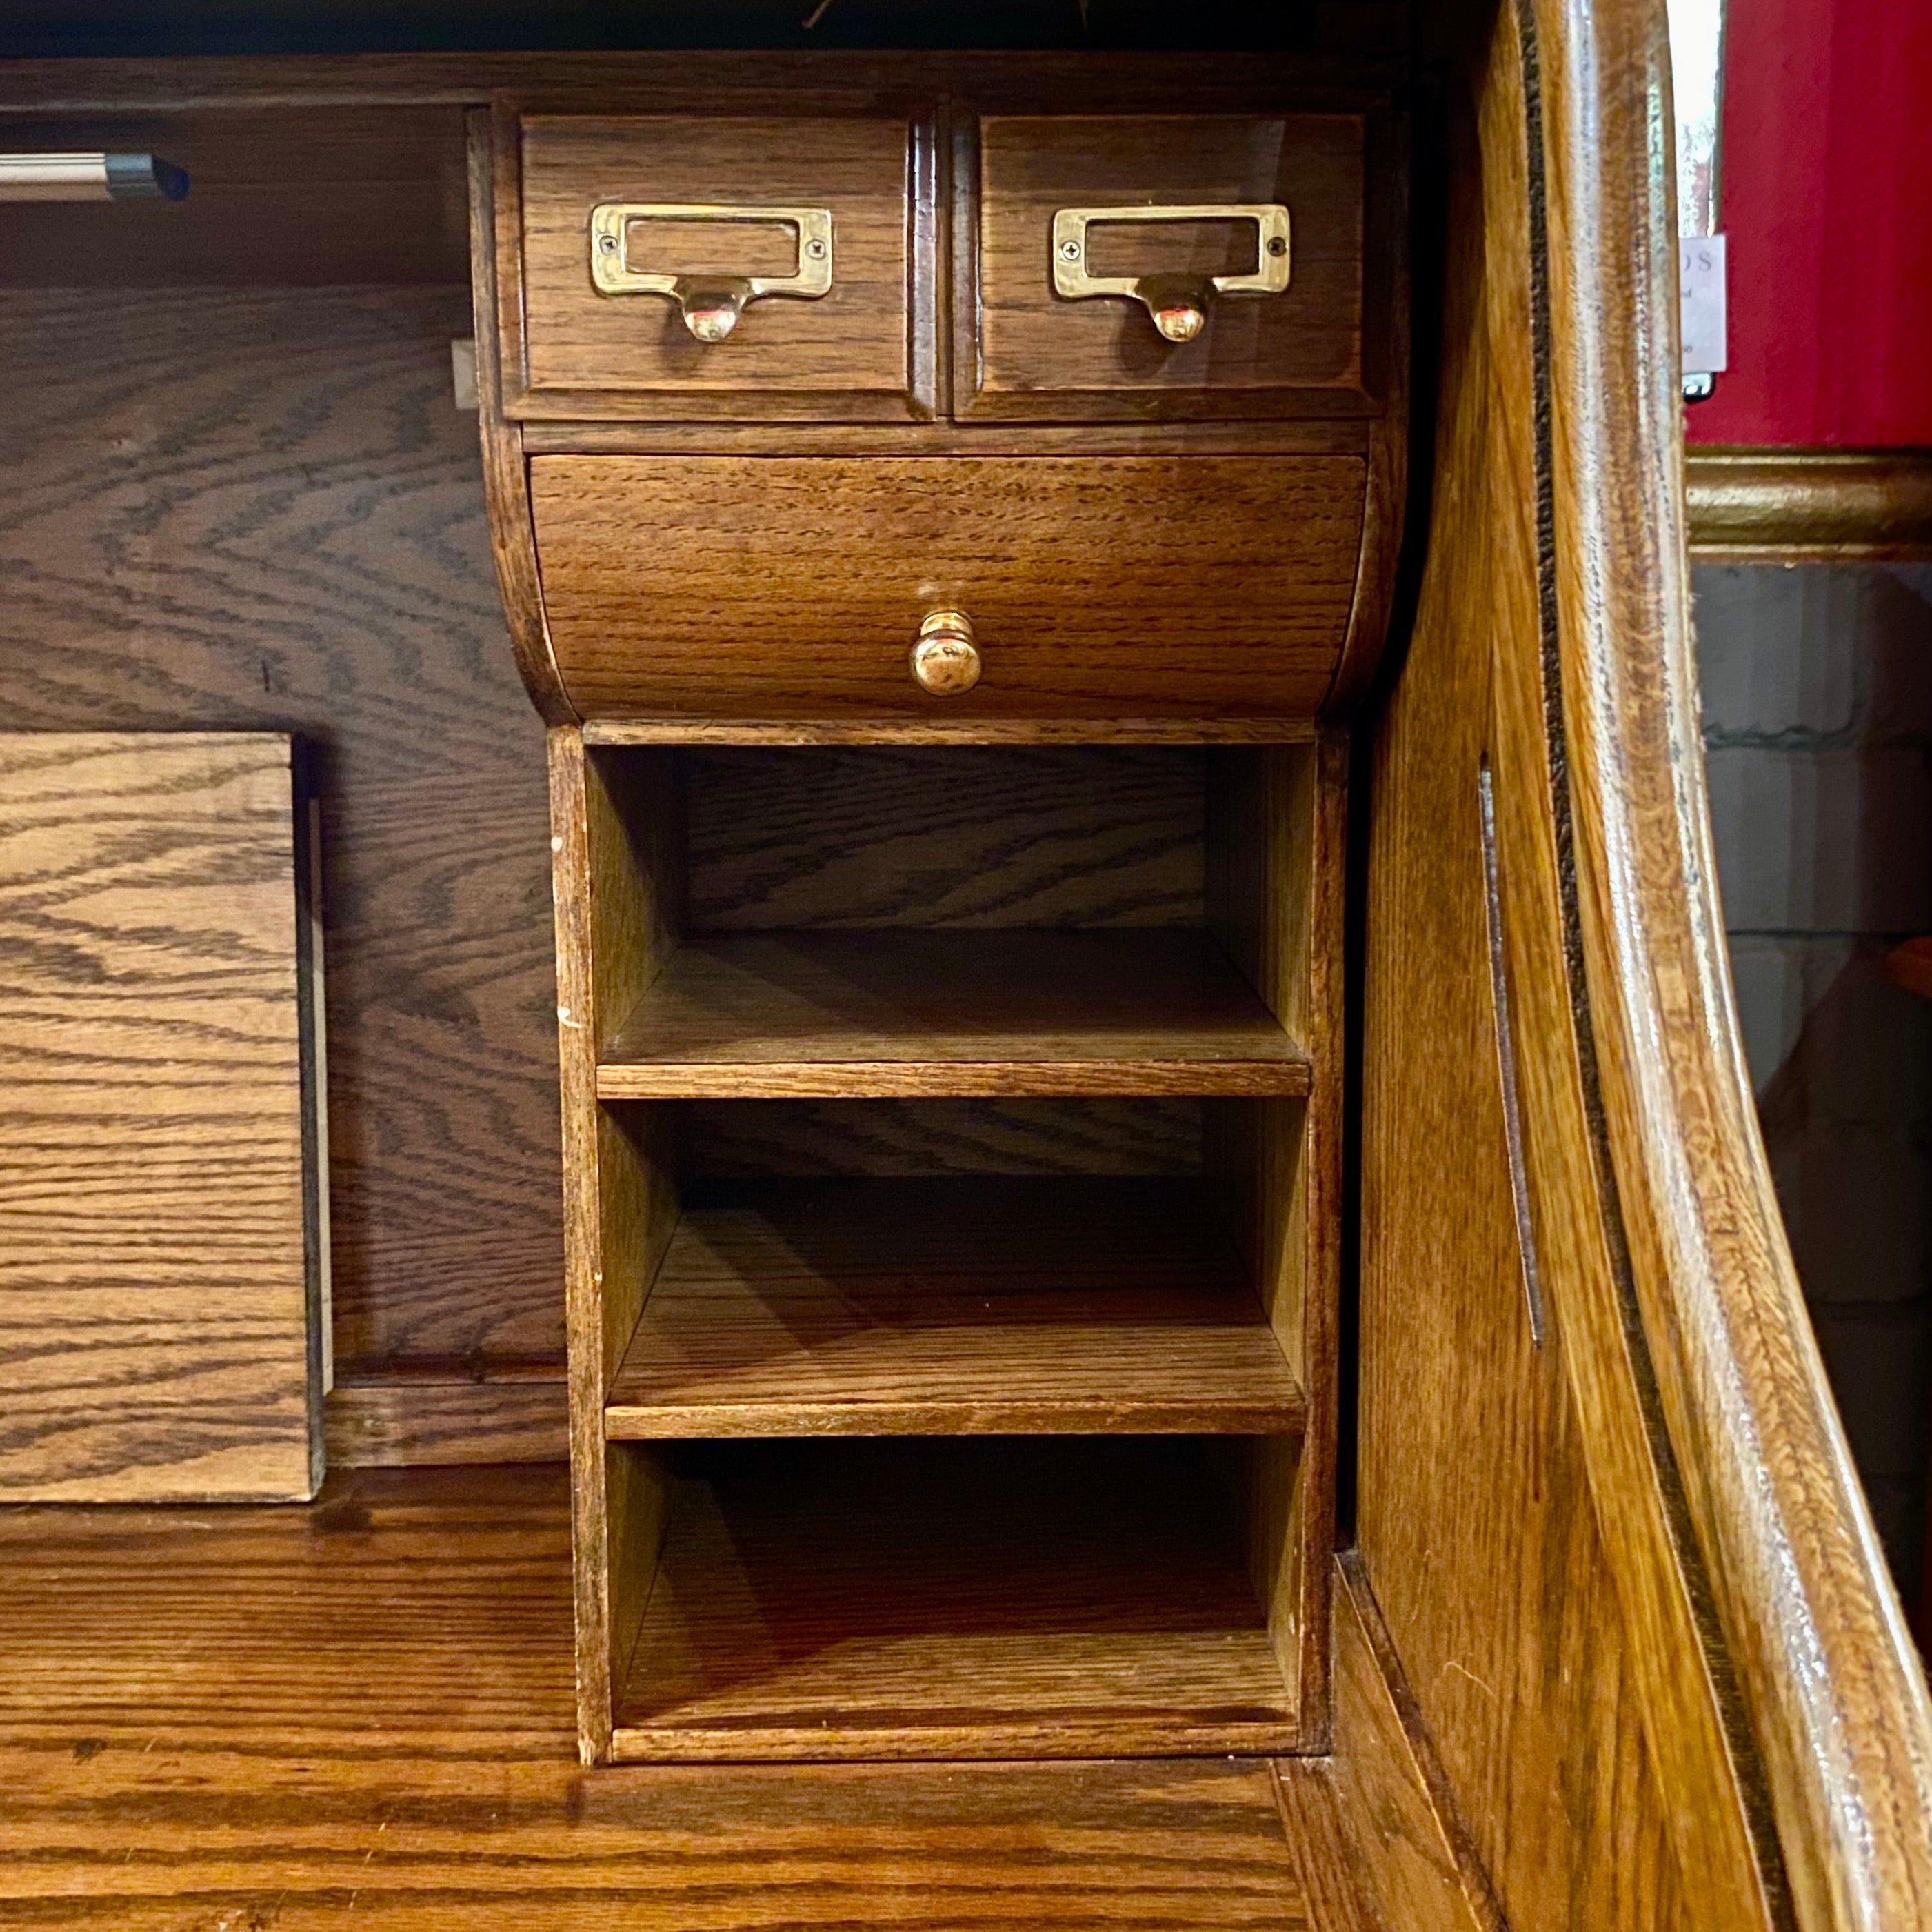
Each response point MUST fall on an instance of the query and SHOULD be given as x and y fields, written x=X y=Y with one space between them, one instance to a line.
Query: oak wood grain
x=253 y=509
x=323 y=195
x=1035 y=353
x=940 y=837
x=1411 y=1853
x=584 y=354
x=1329 y=70
x=941 y=731
x=1680 y=1674
x=893 y=1011
x=750 y=1140
x=1475 y=1519
x=614 y=866
x=496 y=220
x=962 y=1599
x=1145 y=586
x=1288 y=436
x=1824 y=1672
x=358 y=1715
x=974 y=1305
x=429 y=1419
x=1275 y=858
x=162 y=1295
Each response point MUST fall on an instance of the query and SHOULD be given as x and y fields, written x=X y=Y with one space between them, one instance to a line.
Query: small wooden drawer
x=1166 y=204
x=796 y=587
x=791 y=244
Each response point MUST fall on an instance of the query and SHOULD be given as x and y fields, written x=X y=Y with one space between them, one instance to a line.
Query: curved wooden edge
x=1832 y=1693
x=1386 y=502
x=506 y=491
x=1808 y=505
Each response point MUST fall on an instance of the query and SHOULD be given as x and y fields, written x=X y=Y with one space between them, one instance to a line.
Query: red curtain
x=1826 y=195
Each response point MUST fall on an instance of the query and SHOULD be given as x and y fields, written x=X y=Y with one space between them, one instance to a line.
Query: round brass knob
x=1180 y=321
x=946 y=661
x=712 y=313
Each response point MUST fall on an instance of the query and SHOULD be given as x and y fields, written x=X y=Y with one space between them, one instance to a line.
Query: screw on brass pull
x=710 y=305
x=946 y=661
x=1178 y=304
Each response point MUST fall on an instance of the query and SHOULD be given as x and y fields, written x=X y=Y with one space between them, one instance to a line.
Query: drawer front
x=1273 y=208
x=777 y=587
x=789 y=245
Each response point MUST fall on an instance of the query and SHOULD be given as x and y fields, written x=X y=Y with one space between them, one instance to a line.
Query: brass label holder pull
x=710 y=305
x=1178 y=304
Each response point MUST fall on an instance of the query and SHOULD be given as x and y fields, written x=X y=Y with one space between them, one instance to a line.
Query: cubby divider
x=951 y=1285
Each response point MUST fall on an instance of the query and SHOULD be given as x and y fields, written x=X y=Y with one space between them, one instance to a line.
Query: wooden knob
x=946 y=661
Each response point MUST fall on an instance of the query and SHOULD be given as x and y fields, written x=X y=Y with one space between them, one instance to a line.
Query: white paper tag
x=1700 y=282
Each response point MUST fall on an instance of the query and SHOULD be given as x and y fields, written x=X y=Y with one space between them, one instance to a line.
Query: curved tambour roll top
x=772 y=386
x=1693 y=1703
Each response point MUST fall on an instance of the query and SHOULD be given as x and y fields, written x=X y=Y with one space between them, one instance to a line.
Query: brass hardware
x=1178 y=304
x=710 y=305
x=946 y=661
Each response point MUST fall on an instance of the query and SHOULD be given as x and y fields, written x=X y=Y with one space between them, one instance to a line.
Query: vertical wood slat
x=162 y=1247
x=1275 y=836
x=615 y=846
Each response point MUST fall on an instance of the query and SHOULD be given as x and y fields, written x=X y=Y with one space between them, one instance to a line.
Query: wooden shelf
x=951 y=1307
x=891 y=1012
x=976 y=1600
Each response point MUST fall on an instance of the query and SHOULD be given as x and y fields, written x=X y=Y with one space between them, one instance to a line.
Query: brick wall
x=1817 y=695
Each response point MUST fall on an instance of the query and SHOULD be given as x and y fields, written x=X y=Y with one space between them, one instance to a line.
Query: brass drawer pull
x=1178 y=304
x=946 y=661
x=711 y=305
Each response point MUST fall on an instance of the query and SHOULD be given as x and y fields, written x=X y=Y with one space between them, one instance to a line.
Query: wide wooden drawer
x=784 y=587
x=789 y=245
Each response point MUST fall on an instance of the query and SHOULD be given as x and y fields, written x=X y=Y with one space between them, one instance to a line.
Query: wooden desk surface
x=359 y=1715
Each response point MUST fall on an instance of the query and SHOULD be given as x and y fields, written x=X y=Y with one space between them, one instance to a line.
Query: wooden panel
x=1822 y=1693
x=162 y=1284
x=173 y=1747
x=1473 y=1515
x=1146 y=586
x=404 y=1422
x=985 y=835
x=991 y=1599
x=961 y=1307
x=318 y=196
x=751 y=1140
x=615 y=893
x=818 y=1015
x=1039 y=354
x=259 y=509
x=1275 y=872
x=1411 y=1846
x=590 y=354
x=1518 y=1530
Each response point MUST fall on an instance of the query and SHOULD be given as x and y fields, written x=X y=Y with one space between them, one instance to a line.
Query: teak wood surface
x=163 y=1288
